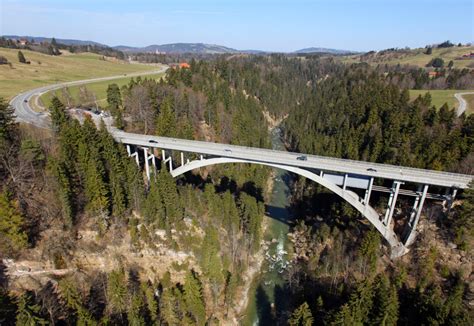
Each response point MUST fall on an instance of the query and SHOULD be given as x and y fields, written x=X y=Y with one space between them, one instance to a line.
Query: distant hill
x=417 y=57
x=176 y=48
x=323 y=50
x=39 y=39
x=200 y=48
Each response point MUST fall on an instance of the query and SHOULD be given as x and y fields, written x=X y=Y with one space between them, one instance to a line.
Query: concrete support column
x=368 y=192
x=392 y=201
x=182 y=159
x=451 y=199
x=128 y=150
x=201 y=157
x=171 y=163
x=412 y=231
x=153 y=158
x=163 y=155
x=147 y=163
x=415 y=207
x=344 y=183
x=321 y=173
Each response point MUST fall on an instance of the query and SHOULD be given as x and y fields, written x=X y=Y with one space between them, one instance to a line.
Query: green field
x=99 y=89
x=417 y=57
x=45 y=69
x=439 y=97
x=470 y=103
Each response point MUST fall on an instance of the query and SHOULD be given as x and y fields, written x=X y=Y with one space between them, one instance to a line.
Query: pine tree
x=150 y=301
x=385 y=307
x=301 y=316
x=454 y=311
x=134 y=312
x=114 y=100
x=28 y=314
x=64 y=191
x=167 y=308
x=7 y=121
x=12 y=235
x=166 y=121
x=21 y=57
x=73 y=300
x=153 y=208
x=464 y=220
x=194 y=299
x=356 y=310
x=58 y=114
x=116 y=291
x=369 y=249
x=170 y=197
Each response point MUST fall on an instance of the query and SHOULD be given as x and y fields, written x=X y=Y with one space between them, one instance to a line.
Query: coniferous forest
x=122 y=250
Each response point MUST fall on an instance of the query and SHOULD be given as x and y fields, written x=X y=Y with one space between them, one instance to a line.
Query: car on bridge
x=153 y=141
x=371 y=170
x=302 y=158
x=228 y=150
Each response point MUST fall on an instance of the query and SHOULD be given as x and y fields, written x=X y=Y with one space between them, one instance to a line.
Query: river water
x=267 y=294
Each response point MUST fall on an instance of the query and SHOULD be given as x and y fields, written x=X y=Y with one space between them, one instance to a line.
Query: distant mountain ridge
x=180 y=48
x=39 y=39
x=177 y=48
x=323 y=50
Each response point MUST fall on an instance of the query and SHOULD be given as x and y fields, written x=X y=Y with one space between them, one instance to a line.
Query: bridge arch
x=352 y=198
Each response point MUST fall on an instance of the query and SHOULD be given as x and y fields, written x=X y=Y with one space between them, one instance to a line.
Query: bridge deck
x=377 y=170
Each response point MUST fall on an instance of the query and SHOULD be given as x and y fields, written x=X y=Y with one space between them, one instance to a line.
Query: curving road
x=462 y=102
x=24 y=113
x=21 y=102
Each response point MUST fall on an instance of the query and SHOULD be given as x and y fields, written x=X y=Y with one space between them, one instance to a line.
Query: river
x=266 y=298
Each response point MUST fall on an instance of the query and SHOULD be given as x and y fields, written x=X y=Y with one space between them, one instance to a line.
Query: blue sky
x=259 y=24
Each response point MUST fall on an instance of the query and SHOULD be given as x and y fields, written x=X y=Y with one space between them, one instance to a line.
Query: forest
x=75 y=193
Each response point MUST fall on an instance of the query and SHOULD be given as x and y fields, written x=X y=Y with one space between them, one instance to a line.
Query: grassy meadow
x=439 y=97
x=45 y=69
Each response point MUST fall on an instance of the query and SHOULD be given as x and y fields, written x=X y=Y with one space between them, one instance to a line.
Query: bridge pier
x=134 y=154
x=392 y=201
x=149 y=157
x=415 y=216
x=368 y=192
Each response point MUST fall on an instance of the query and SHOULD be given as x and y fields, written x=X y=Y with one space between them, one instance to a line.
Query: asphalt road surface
x=462 y=102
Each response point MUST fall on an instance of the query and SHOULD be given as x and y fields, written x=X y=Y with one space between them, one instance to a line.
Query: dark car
x=302 y=158
x=371 y=170
x=153 y=141
x=25 y=101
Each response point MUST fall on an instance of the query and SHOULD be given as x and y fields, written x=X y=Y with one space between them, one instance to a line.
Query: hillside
x=416 y=57
x=45 y=69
